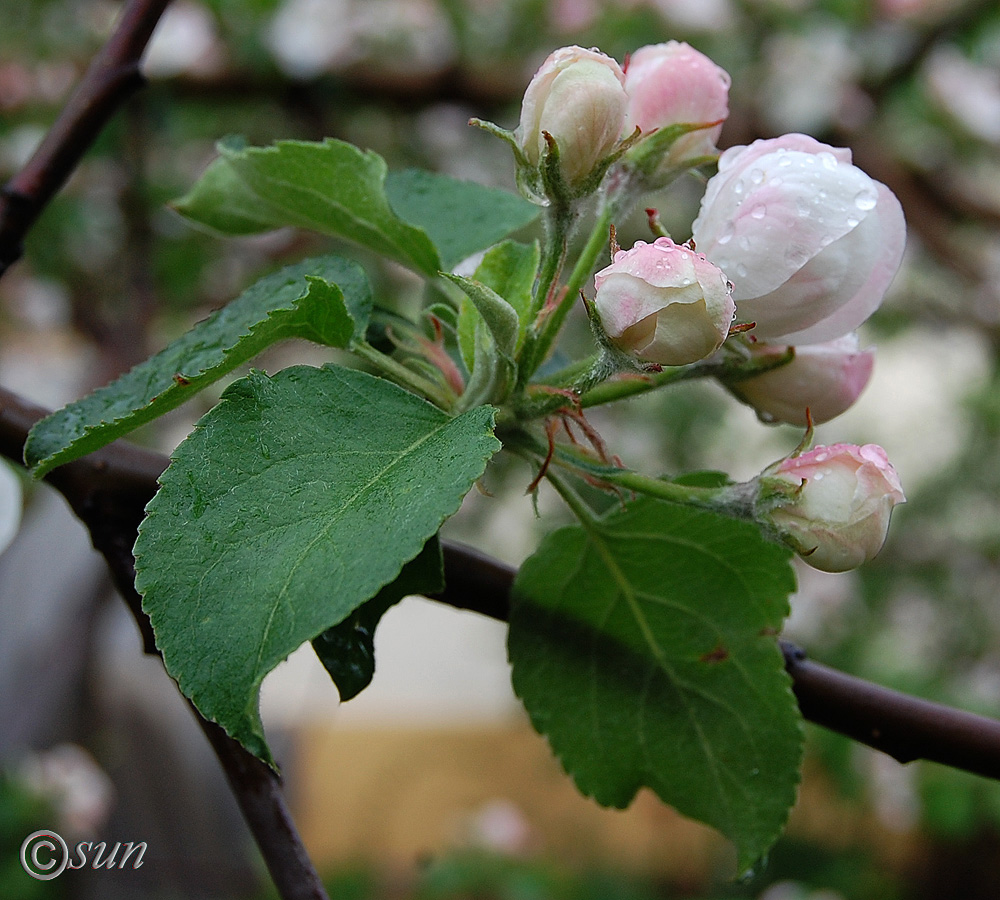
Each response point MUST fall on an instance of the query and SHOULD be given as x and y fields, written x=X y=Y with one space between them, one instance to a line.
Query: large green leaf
x=644 y=648
x=332 y=187
x=292 y=503
x=326 y=300
x=460 y=217
x=424 y=220
x=347 y=649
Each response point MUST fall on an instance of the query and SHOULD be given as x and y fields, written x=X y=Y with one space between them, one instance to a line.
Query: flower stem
x=399 y=373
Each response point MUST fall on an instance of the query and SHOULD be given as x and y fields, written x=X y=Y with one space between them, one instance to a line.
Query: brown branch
x=112 y=76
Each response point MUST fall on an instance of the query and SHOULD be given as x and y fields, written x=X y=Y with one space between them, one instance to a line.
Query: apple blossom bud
x=673 y=84
x=664 y=303
x=824 y=378
x=839 y=517
x=809 y=241
x=578 y=97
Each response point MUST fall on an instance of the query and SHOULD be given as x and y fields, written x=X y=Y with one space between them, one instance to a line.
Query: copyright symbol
x=44 y=855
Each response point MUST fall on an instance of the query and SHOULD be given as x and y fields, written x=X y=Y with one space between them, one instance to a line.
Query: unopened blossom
x=825 y=379
x=664 y=303
x=673 y=84
x=578 y=97
x=839 y=517
x=810 y=242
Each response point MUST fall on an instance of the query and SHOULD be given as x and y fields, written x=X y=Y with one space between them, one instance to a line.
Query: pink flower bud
x=809 y=241
x=674 y=84
x=824 y=378
x=840 y=517
x=578 y=97
x=664 y=303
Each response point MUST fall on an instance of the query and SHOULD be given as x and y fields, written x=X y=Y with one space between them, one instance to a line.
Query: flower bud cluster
x=792 y=241
x=582 y=104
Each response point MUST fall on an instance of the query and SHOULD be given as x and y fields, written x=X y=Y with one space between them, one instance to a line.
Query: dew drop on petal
x=866 y=199
x=852 y=222
x=756 y=176
x=726 y=235
x=758 y=212
x=741 y=270
x=744 y=242
x=828 y=159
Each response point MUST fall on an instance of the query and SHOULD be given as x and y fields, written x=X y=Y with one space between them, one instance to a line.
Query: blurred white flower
x=184 y=42
x=967 y=91
x=307 y=37
x=69 y=778
x=808 y=78
x=11 y=502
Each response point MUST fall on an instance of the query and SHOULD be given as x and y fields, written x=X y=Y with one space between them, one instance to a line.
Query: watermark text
x=45 y=855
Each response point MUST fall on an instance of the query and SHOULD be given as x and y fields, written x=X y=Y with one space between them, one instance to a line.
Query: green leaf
x=347 y=650
x=222 y=201
x=332 y=187
x=500 y=317
x=292 y=502
x=326 y=300
x=509 y=268
x=460 y=217
x=643 y=647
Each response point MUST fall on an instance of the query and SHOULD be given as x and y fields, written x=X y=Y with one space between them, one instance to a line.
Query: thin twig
x=112 y=76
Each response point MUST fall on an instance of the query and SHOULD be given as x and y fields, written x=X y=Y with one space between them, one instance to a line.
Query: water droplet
x=756 y=176
x=866 y=199
x=741 y=270
x=828 y=159
x=726 y=235
x=852 y=222
x=744 y=242
x=738 y=188
x=785 y=160
x=758 y=212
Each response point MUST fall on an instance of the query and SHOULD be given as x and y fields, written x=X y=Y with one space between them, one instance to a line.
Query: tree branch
x=904 y=727
x=112 y=76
